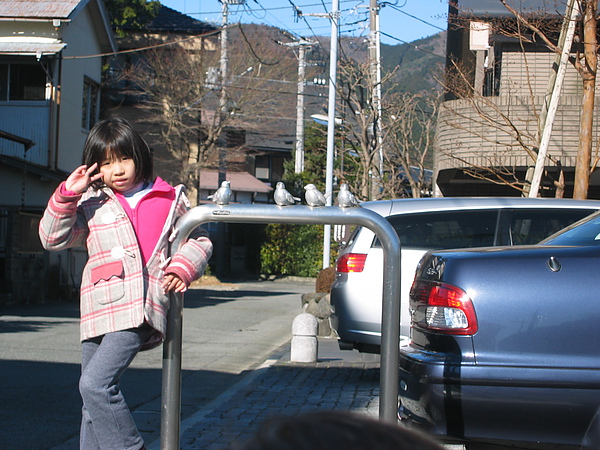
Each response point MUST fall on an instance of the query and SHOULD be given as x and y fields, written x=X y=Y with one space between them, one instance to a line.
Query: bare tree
x=361 y=125
x=409 y=123
x=587 y=65
x=178 y=88
x=406 y=127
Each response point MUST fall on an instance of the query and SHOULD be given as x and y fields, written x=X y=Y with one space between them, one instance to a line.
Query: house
x=253 y=147
x=487 y=134
x=245 y=188
x=248 y=149
x=51 y=57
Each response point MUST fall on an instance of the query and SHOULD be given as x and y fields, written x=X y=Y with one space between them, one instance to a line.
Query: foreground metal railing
x=256 y=213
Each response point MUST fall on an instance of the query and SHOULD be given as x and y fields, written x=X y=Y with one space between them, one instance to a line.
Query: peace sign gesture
x=81 y=178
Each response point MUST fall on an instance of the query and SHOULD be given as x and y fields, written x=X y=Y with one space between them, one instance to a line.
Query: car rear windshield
x=445 y=230
x=584 y=233
x=530 y=226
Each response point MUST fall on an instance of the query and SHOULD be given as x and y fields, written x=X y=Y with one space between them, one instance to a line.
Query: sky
x=400 y=20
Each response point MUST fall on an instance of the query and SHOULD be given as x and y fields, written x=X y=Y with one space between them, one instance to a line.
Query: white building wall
x=82 y=42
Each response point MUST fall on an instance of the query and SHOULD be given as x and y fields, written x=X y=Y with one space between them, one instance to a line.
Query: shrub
x=293 y=250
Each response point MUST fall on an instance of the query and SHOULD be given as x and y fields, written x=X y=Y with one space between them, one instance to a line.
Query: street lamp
x=322 y=119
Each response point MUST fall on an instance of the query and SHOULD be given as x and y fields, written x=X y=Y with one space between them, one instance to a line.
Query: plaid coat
x=117 y=291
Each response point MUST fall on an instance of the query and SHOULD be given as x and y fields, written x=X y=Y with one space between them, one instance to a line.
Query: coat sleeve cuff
x=65 y=194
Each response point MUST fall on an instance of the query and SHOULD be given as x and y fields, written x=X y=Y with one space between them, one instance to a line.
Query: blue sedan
x=505 y=343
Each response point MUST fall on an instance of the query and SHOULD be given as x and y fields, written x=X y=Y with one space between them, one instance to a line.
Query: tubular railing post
x=170 y=418
x=332 y=215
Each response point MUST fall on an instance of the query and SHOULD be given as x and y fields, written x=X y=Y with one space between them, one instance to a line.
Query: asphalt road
x=228 y=329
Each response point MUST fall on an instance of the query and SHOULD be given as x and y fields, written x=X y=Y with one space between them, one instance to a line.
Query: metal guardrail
x=255 y=213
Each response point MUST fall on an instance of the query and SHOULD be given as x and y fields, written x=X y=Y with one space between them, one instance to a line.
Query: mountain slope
x=418 y=65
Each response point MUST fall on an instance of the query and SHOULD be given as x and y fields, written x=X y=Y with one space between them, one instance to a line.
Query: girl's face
x=118 y=173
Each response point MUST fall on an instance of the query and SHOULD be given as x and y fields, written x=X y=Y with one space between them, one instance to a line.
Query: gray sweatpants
x=106 y=422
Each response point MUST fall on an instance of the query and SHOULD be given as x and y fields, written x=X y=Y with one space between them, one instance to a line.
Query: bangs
x=113 y=139
x=118 y=148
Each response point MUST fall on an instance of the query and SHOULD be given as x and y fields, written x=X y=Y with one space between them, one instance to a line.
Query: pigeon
x=313 y=196
x=223 y=194
x=282 y=196
x=345 y=198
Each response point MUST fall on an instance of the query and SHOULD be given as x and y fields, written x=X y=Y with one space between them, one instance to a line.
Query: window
x=22 y=82
x=585 y=234
x=447 y=229
x=263 y=168
x=90 y=112
x=530 y=226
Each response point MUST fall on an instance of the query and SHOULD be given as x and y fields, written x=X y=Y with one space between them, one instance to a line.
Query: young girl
x=125 y=218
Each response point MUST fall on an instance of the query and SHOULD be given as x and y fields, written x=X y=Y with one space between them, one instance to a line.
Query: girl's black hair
x=116 y=137
x=324 y=430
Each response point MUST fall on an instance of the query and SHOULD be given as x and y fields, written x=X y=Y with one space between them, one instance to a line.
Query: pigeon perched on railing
x=282 y=196
x=312 y=196
x=345 y=198
x=223 y=194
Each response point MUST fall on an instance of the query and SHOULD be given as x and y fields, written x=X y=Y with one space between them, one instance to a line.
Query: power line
x=275 y=8
x=264 y=14
x=260 y=60
x=272 y=91
x=297 y=11
x=412 y=16
x=149 y=47
x=416 y=47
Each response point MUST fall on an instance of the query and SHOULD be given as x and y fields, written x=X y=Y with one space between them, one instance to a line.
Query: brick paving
x=338 y=381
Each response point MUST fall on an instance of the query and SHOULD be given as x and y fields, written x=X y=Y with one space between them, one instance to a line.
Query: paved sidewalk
x=340 y=380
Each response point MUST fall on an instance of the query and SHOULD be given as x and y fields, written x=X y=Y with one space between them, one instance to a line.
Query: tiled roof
x=37 y=9
x=493 y=8
x=32 y=46
x=167 y=19
x=240 y=181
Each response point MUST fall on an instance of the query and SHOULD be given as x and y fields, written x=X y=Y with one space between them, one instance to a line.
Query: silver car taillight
x=351 y=262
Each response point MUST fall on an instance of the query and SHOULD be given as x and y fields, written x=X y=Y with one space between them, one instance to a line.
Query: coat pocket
x=108 y=282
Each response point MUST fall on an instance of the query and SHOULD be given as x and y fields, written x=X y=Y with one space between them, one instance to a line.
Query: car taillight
x=351 y=262
x=442 y=308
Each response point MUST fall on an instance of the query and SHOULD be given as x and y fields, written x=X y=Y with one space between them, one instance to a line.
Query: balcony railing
x=29 y=121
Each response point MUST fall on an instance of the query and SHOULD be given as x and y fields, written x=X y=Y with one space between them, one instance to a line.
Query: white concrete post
x=304 y=338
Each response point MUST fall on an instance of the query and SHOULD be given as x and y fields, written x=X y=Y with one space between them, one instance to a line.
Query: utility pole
x=375 y=71
x=333 y=60
x=299 y=157
x=222 y=142
x=224 y=63
x=302 y=44
x=334 y=16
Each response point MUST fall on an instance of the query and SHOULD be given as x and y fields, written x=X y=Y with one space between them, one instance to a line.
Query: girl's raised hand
x=81 y=178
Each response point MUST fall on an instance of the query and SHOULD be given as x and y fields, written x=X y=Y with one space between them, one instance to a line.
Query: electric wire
x=413 y=16
x=149 y=47
x=258 y=58
x=416 y=47
x=298 y=12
